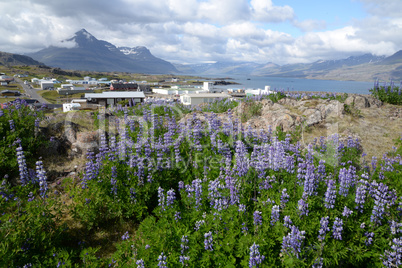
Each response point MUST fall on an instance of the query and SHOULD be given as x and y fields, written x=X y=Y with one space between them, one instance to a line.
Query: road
x=31 y=92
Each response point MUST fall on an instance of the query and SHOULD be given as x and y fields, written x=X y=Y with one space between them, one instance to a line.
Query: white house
x=197 y=99
x=44 y=84
x=259 y=91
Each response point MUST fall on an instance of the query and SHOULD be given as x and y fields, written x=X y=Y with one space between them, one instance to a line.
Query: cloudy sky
x=193 y=31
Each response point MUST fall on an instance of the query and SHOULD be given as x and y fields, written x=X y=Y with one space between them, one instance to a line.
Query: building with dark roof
x=124 y=87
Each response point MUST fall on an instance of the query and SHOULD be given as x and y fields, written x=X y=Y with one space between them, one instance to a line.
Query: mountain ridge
x=10 y=59
x=85 y=52
x=365 y=67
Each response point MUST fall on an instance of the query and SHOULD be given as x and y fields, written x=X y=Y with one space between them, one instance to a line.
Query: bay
x=297 y=84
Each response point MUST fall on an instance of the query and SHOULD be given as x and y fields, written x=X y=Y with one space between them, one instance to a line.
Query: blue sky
x=331 y=15
x=192 y=31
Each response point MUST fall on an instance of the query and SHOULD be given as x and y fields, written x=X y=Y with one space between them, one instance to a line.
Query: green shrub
x=387 y=93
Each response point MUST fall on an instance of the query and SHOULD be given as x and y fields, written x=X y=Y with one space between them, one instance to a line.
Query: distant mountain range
x=366 y=67
x=9 y=59
x=84 y=52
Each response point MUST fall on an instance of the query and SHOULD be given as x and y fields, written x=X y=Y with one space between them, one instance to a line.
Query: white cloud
x=383 y=8
x=264 y=10
x=223 y=11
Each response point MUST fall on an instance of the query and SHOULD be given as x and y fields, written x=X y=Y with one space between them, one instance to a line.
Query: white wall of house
x=46 y=85
x=197 y=99
x=259 y=91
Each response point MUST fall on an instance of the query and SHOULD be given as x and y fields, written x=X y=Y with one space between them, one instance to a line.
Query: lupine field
x=199 y=194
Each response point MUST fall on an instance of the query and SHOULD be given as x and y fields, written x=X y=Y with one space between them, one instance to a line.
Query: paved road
x=31 y=91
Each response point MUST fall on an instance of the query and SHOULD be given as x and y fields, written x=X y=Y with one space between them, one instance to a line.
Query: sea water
x=296 y=84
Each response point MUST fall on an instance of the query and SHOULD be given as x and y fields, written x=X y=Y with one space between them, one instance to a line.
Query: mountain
x=9 y=59
x=393 y=59
x=84 y=52
x=365 y=67
x=142 y=56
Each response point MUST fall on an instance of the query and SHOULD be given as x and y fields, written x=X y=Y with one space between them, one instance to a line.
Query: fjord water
x=299 y=84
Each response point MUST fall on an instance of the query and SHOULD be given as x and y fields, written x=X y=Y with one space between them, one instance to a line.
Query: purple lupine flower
x=41 y=175
x=374 y=163
x=112 y=146
x=393 y=258
x=198 y=224
x=346 y=212
x=284 y=197
x=170 y=198
x=323 y=227
x=231 y=182
x=242 y=164
x=103 y=147
x=208 y=241
x=113 y=181
x=266 y=184
x=181 y=185
x=310 y=180
x=161 y=198
x=287 y=222
x=321 y=170
x=395 y=227
x=197 y=192
x=257 y=218
x=346 y=180
x=162 y=261
x=31 y=197
x=379 y=192
x=140 y=263
x=22 y=165
x=292 y=242
x=337 y=229
x=301 y=170
x=242 y=208
x=369 y=238
x=244 y=228
x=318 y=263
x=177 y=216
x=133 y=194
x=274 y=214
x=184 y=248
x=361 y=196
x=302 y=205
x=255 y=257
x=125 y=236
x=11 y=123
x=330 y=195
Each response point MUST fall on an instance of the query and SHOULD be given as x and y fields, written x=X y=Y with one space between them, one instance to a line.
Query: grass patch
x=250 y=109
x=50 y=95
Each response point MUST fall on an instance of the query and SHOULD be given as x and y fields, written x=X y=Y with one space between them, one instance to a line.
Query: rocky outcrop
x=361 y=102
x=289 y=113
x=70 y=139
x=85 y=142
